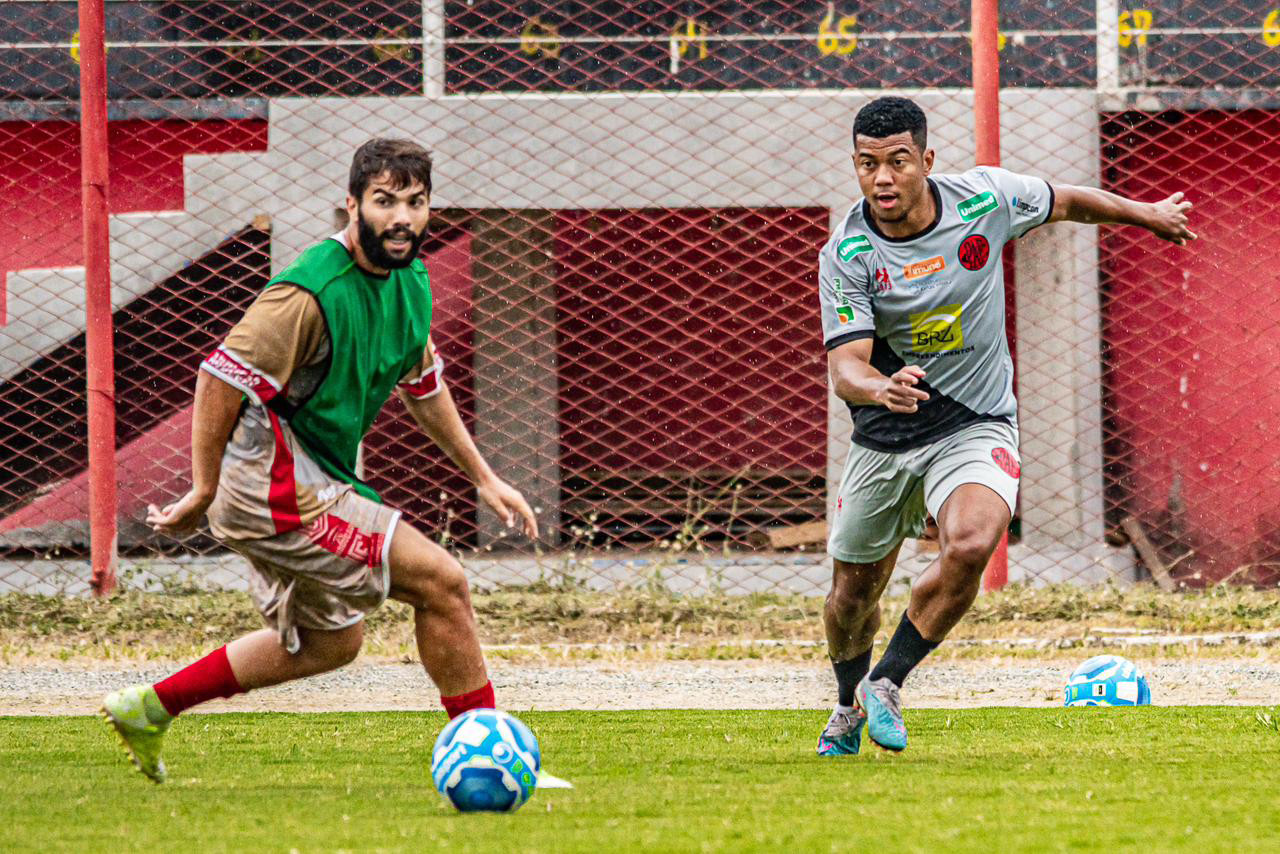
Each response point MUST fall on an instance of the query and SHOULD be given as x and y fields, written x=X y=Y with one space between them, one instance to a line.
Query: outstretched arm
x=1166 y=219
x=438 y=417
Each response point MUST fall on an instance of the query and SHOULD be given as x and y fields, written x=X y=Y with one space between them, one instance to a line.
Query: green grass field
x=1154 y=779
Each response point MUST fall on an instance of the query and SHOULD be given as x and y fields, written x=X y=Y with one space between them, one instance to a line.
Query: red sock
x=481 y=698
x=209 y=677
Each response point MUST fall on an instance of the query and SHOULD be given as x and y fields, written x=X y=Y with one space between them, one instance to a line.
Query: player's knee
x=455 y=590
x=443 y=590
x=969 y=550
x=852 y=598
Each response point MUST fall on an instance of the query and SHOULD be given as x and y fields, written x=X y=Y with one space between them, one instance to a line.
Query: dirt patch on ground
x=639 y=649
x=62 y=689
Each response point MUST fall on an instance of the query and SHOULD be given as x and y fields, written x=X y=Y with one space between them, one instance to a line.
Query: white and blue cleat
x=882 y=705
x=842 y=735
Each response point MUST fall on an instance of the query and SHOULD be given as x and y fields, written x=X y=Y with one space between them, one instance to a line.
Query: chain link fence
x=628 y=206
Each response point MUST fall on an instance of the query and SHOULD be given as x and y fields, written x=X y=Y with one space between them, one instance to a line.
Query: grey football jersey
x=935 y=299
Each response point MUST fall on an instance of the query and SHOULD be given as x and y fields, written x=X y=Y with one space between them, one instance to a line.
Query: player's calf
x=259 y=660
x=945 y=590
x=432 y=581
x=851 y=613
x=940 y=606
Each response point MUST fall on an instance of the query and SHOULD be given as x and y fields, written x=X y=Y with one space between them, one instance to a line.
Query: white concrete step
x=224 y=192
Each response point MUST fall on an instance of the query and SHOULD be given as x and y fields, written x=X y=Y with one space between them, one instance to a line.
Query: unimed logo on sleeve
x=937 y=330
x=977 y=206
x=852 y=246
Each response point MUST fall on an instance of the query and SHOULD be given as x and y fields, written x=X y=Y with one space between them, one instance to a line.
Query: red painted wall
x=1193 y=340
x=40 y=179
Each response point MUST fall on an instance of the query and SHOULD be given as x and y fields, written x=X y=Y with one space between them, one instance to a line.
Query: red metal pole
x=97 y=268
x=986 y=81
x=986 y=126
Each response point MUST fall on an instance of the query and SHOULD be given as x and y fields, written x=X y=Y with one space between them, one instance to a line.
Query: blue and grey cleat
x=883 y=707
x=843 y=733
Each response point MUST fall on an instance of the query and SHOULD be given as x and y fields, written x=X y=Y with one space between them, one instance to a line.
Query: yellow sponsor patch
x=927 y=267
x=937 y=330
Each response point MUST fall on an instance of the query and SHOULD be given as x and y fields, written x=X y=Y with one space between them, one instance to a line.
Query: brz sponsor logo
x=977 y=206
x=845 y=313
x=974 y=252
x=1024 y=206
x=852 y=246
x=937 y=330
x=920 y=269
x=1007 y=462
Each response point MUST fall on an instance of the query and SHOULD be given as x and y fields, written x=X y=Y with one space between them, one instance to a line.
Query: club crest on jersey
x=927 y=267
x=852 y=246
x=977 y=206
x=937 y=330
x=974 y=252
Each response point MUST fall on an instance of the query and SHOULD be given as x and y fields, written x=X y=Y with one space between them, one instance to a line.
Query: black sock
x=905 y=651
x=849 y=673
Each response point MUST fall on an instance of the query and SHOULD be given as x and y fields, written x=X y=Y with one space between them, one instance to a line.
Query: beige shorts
x=883 y=498
x=327 y=574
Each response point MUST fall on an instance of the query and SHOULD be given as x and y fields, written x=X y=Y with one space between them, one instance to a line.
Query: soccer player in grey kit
x=912 y=294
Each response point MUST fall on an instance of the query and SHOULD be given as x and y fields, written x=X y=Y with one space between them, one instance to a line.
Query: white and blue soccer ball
x=486 y=760
x=1107 y=680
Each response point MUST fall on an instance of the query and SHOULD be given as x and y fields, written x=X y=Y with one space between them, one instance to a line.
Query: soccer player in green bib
x=913 y=318
x=280 y=410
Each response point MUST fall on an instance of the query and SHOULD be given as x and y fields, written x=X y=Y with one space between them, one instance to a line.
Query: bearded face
x=392 y=247
x=389 y=222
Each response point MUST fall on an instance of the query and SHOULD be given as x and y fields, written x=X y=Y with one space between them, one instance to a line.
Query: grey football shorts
x=884 y=498
x=325 y=575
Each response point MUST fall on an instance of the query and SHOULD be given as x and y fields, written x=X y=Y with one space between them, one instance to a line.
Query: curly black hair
x=889 y=115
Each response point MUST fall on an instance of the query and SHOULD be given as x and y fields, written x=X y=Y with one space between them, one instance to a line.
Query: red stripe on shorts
x=338 y=536
x=283 y=495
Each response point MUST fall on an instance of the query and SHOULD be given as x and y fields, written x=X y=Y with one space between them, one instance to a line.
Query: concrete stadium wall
x=703 y=151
